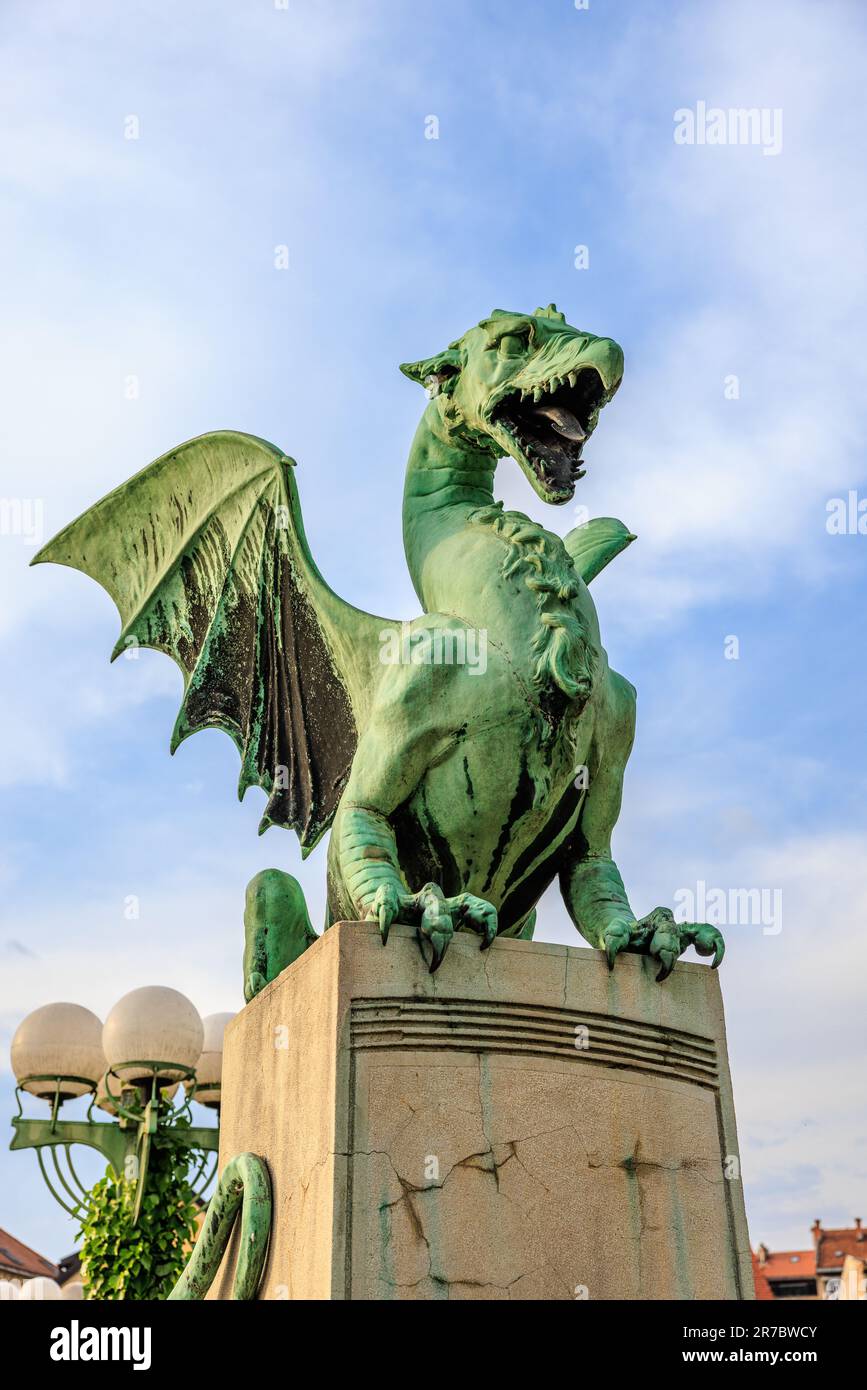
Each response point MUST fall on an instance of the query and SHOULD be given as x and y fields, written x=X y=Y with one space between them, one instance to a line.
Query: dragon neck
x=446 y=480
x=449 y=490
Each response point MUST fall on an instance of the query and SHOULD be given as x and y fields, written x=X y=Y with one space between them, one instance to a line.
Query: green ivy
x=120 y=1260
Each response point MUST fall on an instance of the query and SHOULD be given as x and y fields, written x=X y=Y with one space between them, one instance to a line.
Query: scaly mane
x=564 y=659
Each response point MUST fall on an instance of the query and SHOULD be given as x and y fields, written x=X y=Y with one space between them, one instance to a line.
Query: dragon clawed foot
x=436 y=917
x=659 y=935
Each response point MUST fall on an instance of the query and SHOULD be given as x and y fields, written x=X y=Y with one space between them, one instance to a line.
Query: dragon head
x=526 y=385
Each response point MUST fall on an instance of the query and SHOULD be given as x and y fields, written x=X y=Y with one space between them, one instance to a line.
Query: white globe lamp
x=40 y=1289
x=210 y=1068
x=152 y=1032
x=59 y=1043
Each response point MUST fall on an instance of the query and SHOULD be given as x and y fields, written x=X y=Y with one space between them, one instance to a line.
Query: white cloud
x=188 y=933
x=755 y=268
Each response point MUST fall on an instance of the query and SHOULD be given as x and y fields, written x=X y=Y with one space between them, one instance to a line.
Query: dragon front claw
x=616 y=937
x=436 y=917
x=660 y=936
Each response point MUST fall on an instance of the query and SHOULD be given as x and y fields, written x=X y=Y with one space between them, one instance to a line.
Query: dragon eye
x=512 y=344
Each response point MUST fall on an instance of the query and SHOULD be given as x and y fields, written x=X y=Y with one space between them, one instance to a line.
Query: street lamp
x=57 y=1052
x=152 y=1041
x=152 y=1036
x=209 y=1071
x=40 y=1289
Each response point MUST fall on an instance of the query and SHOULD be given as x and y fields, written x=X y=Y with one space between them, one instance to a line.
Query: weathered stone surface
x=454 y=1136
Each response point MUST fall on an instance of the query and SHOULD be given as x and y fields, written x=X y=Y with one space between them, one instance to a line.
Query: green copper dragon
x=463 y=761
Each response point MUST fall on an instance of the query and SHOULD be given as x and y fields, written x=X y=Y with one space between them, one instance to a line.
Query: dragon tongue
x=563 y=421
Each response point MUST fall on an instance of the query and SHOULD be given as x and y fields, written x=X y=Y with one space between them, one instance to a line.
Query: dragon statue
x=462 y=760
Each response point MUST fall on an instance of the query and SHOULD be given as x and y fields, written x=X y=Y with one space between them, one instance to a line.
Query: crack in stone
x=485 y=963
x=305 y=1180
x=486 y=1160
x=687 y=1165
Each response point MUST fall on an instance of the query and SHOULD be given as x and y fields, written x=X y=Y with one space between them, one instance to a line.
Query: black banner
x=254 y=1340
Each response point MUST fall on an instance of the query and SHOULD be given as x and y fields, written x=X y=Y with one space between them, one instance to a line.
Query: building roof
x=763 y=1288
x=69 y=1267
x=20 y=1261
x=789 y=1264
x=832 y=1246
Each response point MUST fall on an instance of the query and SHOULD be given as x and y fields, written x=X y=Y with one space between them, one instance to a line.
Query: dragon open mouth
x=549 y=424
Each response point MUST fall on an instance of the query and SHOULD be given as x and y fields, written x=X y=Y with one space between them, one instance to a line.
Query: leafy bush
x=123 y=1261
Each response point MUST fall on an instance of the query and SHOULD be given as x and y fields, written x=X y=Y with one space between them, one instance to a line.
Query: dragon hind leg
x=277 y=928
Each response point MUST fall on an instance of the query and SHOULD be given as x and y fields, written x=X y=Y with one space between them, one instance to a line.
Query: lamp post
x=151 y=1044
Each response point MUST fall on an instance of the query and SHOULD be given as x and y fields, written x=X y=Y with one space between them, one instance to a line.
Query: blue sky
x=153 y=258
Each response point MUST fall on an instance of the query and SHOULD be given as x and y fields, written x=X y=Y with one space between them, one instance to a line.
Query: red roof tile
x=19 y=1260
x=790 y=1264
x=834 y=1245
x=763 y=1288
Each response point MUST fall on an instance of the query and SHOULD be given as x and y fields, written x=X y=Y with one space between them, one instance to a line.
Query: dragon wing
x=205 y=557
x=595 y=544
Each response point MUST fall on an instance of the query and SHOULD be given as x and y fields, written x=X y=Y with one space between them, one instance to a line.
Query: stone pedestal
x=521 y=1125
